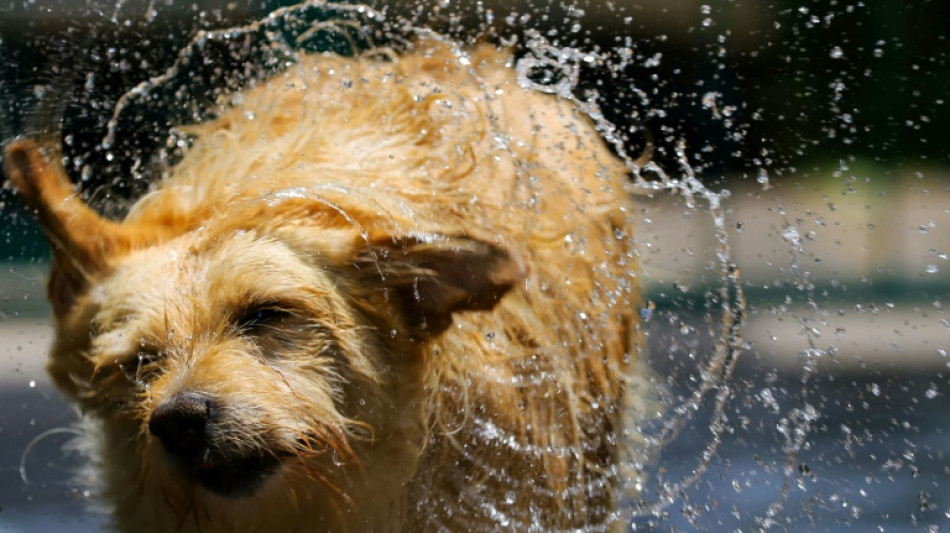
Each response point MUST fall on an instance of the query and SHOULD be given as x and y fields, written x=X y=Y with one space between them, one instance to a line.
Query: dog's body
x=374 y=296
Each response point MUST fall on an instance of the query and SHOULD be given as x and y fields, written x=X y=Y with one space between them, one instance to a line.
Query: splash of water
x=345 y=17
x=554 y=70
x=559 y=66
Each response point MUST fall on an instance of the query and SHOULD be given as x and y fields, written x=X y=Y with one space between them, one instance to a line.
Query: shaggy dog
x=378 y=294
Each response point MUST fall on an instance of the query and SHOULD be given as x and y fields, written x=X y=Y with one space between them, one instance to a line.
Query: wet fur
x=496 y=400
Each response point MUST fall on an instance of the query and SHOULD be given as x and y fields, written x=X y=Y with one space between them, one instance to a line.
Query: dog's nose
x=181 y=423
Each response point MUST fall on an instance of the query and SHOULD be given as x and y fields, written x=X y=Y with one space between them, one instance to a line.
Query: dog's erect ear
x=80 y=238
x=435 y=276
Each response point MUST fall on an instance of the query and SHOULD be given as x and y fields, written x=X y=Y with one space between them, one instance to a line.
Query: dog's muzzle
x=187 y=425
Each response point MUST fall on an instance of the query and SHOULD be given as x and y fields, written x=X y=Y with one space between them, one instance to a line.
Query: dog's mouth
x=237 y=477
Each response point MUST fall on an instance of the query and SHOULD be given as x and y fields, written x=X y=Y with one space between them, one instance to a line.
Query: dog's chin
x=234 y=478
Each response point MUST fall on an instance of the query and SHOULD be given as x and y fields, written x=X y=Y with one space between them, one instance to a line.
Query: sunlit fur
x=512 y=419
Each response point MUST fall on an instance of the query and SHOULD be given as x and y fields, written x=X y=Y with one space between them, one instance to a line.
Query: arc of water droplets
x=729 y=345
x=36 y=440
x=796 y=425
x=717 y=373
x=143 y=88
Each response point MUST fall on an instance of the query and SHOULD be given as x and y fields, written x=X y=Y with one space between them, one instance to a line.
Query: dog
x=378 y=293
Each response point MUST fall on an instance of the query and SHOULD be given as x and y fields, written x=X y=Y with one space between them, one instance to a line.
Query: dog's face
x=233 y=356
x=263 y=345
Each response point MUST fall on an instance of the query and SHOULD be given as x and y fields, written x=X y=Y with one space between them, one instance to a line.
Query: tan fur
x=331 y=190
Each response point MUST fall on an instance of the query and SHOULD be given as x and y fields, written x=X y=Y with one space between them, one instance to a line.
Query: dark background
x=809 y=80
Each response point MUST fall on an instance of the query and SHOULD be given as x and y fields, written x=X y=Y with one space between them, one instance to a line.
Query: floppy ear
x=433 y=276
x=80 y=238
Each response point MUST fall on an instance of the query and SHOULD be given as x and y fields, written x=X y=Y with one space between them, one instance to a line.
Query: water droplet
x=836 y=53
x=653 y=61
x=790 y=234
x=646 y=313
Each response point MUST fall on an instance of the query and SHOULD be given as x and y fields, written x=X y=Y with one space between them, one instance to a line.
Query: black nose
x=181 y=423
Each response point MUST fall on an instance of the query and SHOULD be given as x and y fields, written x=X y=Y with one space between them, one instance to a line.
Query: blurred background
x=821 y=123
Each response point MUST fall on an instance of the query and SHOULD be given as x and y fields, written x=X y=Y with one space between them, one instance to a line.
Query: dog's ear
x=81 y=239
x=433 y=276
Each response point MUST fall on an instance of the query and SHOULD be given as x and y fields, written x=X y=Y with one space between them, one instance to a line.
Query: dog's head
x=266 y=339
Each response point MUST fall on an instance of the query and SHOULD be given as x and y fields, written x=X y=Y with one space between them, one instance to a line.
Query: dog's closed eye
x=142 y=367
x=258 y=318
x=279 y=330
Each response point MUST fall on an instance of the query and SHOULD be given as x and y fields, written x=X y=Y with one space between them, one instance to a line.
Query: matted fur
x=319 y=190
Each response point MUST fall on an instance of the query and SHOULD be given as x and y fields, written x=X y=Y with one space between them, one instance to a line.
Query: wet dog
x=377 y=294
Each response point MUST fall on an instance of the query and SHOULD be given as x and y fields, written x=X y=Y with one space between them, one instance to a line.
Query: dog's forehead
x=182 y=291
x=191 y=274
